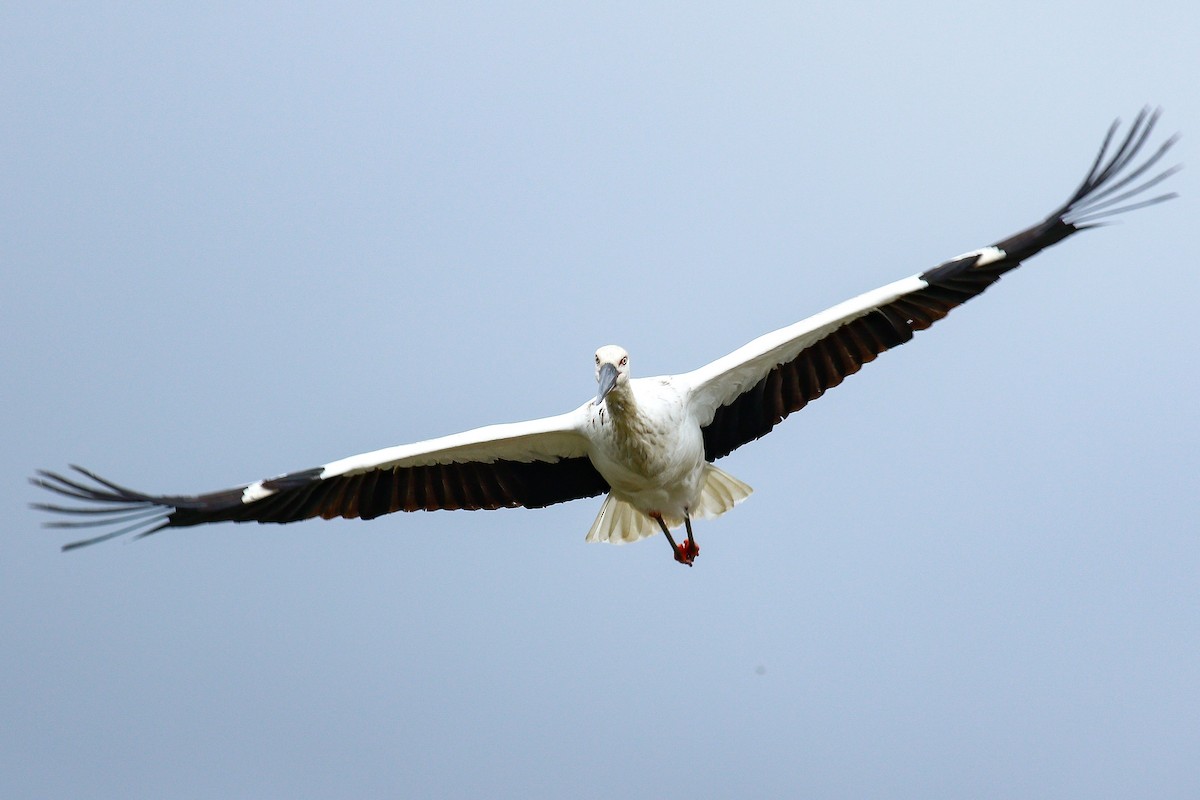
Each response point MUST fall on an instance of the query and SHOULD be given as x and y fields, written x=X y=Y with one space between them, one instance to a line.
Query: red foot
x=686 y=553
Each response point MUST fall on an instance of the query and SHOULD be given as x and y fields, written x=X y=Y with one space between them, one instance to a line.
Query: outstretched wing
x=742 y=396
x=532 y=464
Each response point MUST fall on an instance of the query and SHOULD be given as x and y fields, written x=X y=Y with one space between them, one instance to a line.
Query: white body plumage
x=645 y=440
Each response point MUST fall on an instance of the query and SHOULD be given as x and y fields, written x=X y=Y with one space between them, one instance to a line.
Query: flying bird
x=649 y=443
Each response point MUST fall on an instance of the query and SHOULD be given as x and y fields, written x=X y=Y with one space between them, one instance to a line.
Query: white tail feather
x=620 y=523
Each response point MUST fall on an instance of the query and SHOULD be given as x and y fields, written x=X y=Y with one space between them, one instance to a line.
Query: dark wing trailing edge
x=790 y=377
x=542 y=470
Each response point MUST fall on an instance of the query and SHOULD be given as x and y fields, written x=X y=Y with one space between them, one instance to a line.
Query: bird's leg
x=690 y=548
x=684 y=553
x=658 y=518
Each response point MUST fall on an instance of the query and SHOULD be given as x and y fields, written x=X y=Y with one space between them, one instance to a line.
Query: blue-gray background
x=242 y=240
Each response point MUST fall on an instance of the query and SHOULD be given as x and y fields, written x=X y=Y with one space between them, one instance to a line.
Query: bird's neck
x=629 y=433
x=621 y=405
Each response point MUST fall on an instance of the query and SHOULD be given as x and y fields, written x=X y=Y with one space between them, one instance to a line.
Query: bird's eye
x=597 y=360
x=624 y=360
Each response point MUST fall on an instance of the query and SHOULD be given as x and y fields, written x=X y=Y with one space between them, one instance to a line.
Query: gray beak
x=607 y=379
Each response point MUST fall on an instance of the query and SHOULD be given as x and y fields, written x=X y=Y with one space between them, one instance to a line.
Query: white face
x=612 y=354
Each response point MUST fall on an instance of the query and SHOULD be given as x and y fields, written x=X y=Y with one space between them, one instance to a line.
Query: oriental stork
x=650 y=443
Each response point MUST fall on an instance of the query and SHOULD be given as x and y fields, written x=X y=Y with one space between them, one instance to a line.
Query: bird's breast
x=647 y=441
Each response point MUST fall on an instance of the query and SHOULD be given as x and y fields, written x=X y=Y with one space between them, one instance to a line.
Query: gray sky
x=238 y=242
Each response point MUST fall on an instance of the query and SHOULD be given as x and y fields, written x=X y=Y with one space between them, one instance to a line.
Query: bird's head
x=612 y=369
